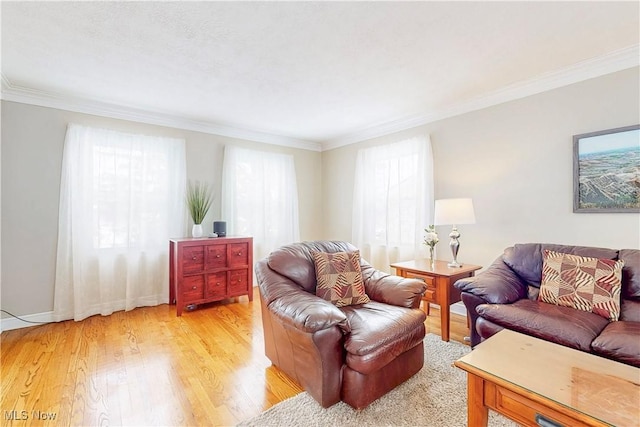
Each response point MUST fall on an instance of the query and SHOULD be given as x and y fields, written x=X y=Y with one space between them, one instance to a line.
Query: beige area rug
x=435 y=396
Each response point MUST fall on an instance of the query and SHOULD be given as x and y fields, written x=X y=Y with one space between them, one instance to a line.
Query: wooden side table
x=439 y=280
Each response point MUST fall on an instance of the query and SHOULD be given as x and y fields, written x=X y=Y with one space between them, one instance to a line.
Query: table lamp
x=454 y=212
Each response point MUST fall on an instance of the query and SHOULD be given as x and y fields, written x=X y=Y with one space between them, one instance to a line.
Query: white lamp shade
x=454 y=212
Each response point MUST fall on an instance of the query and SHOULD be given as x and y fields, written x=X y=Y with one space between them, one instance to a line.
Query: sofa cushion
x=526 y=258
x=583 y=283
x=630 y=273
x=562 y=325
x=339 y=278
x=380 y=333
x=619 y=341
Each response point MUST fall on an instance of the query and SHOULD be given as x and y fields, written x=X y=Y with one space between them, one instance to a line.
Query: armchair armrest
x=308 y=312
x=498 y=284
x=394 y=290
x=296 y=307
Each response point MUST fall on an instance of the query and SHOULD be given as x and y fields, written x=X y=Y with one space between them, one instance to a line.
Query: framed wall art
x=606 y=170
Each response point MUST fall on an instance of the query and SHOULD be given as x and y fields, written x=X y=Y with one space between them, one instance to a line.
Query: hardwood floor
x=148 y=367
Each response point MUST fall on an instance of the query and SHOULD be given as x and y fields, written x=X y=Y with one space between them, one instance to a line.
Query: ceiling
x=309 y=74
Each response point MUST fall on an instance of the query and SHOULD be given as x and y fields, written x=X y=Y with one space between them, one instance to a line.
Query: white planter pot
x=196 y=231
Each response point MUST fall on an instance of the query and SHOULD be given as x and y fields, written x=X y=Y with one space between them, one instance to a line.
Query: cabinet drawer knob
x=218 y=284
x=194 y=288
x=194 y=258
x=239 y=253
x=218 y=256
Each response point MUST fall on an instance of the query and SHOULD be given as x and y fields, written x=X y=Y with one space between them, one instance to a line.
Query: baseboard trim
x=457 y=308
x=10 y=323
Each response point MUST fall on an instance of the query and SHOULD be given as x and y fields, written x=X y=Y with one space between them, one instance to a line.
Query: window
x=129 y=181
x=393 y=199
x=121 y=199
x=260 y=198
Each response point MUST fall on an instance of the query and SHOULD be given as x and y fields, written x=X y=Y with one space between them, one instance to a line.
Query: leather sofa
x=506 y=296
x=355 y=353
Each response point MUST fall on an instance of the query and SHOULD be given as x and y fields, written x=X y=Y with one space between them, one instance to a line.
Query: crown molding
x=24 y=95
x=606 y=64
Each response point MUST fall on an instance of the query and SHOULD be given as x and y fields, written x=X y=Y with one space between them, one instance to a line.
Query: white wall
x=32 y=144
x=515 y=161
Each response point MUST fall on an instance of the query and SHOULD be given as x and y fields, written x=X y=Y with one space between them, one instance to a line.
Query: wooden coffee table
x=522 y=377
x=439 y=279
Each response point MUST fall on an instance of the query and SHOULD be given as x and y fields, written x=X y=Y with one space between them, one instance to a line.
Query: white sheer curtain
x=260 y=198
x=393 y=201
x=121 y=199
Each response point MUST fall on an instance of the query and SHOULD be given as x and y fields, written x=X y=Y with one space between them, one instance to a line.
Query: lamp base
x=455 y=245
x=454 y=264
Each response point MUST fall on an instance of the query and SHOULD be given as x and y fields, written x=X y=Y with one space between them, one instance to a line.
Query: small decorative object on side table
x=431 y=240
x=439 y=279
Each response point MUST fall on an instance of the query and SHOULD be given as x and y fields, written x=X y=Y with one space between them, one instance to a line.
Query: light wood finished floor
x=148 y=367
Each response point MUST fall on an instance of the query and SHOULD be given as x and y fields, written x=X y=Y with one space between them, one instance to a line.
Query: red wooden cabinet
x=209 y=269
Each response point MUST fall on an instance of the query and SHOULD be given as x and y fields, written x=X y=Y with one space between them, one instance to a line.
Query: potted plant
x=198 y=201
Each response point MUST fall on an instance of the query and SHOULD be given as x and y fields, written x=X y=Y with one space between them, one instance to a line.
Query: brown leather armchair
x=355 y=353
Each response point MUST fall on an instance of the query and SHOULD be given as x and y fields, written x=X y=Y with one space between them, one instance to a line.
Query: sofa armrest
x=296 y=307
x=393 y=290
x=498 y=284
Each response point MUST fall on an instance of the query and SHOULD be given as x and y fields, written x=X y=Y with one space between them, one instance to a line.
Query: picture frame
x=606 y=175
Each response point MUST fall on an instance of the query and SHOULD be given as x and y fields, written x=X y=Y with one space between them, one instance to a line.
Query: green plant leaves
x=198 y=200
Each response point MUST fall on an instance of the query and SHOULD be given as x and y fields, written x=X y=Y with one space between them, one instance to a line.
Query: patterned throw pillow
x=583 y=283
x=339 y=278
